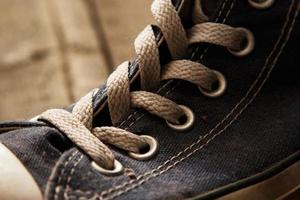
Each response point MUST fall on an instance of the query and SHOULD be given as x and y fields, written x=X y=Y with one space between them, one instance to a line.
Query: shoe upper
x=254 y=126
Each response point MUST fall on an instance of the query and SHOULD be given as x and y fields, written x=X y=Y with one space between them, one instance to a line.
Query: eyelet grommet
x=190 y=119
x=221 y=87
x=261 y=4
x=117 y=170
x=153 y=148
x=249 y=46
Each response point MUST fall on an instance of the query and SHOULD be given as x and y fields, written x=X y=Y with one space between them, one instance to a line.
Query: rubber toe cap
x=16 y=183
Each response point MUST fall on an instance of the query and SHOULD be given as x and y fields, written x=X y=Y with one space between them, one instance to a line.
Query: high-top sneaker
x=208 y=108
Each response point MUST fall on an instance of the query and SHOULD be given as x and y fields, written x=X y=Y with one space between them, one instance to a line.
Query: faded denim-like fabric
x=251 y=128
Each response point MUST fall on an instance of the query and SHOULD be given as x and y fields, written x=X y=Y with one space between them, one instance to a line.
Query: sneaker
x=209 y=108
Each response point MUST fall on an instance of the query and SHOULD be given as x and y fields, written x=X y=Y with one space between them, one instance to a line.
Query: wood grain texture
x=122 y=22
x=30 y=66
x=54 y=51
x=84 y=64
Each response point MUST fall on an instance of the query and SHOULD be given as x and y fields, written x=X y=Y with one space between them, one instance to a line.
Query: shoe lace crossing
x=77 y=124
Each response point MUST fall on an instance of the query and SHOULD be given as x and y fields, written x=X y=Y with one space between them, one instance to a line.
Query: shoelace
x=77 y=125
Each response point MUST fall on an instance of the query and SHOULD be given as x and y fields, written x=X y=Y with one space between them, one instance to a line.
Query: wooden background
x=54 y=51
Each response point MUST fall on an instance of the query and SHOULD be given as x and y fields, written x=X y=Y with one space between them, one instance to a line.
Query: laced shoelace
x=77 y=125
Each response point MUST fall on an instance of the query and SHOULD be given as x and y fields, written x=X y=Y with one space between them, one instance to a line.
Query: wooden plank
x=85 y=63
x=122 y=21
x=30 y=73
x=53 y=51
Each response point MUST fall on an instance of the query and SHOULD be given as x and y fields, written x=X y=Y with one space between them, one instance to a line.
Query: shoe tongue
x=209 y=7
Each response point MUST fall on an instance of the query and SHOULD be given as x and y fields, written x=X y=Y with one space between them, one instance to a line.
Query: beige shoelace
x=77 y=125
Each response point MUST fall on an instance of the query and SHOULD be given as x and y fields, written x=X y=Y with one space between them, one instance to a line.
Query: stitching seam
x=249 y=91
x=156 y=172
x=67 y=184
x=216 y=20
x=57 y=188
x=222 y=10
x=70 y=176
x=136 y=112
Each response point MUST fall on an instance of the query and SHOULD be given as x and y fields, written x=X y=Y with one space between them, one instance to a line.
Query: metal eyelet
x=249 y=46
x=153 y=148
x=190 y=119
x=221 y=87
x=261 y=4
x=117 y=170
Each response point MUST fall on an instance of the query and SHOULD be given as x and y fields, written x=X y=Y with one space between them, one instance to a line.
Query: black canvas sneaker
x=208 y=108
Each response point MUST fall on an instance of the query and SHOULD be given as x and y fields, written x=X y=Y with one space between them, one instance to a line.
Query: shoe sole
x=281 y=182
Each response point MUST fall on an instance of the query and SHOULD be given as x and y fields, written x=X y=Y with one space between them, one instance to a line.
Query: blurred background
x=54 y=51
